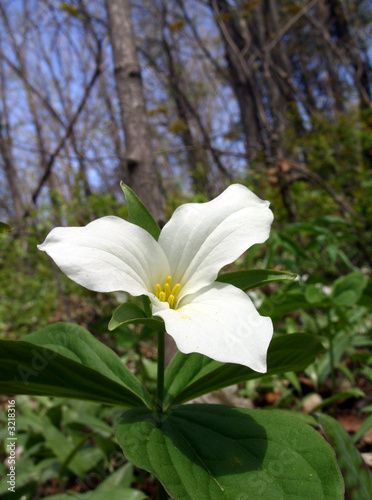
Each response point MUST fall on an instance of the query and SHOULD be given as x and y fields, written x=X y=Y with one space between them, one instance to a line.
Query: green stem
x=161 y=364
x=332 y=363
x=331 y=354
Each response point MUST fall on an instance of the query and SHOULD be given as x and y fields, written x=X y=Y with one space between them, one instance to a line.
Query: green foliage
x=5 y=228
x=64 y=443
x=347 y=290
x=27 y=280
x=65 y=360
x=358 y=480
x=138 y=213
x=190 y=376
x=331 y=299
x=260 y=454
x=130 y=313
x=246 y=280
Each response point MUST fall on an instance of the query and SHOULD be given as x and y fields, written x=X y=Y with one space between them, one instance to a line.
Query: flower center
x=167 y=293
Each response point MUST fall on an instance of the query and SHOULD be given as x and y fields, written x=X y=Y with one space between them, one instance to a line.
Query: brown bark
x=143 y=177
x=252 y=113
x=7 y=157
x=11 y=176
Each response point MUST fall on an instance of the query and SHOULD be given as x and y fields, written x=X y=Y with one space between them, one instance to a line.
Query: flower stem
x=161 y=364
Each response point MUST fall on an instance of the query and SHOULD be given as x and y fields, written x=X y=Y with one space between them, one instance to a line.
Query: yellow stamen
x=167 y=293
x=176 y=289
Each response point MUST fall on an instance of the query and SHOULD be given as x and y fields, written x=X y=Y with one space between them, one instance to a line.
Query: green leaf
x=354 y=392
x=191 y=375
x=218 y=452
x=313 y=295
x=68 y=453
x=323 y=365
x=116 y=494
x=81 y=421
x=292 y=246
x=246 y=280
x=138 y=213
x=366 y=298
x=5 y=228
x=281 y=303
x=358 y=479
x=129 y=313
x=366 y=425
x=65 y=360
x=348 y=289
x=366 y=409
x=304 y=417
x=121 y=478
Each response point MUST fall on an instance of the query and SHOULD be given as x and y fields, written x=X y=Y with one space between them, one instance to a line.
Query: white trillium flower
x=178 y=271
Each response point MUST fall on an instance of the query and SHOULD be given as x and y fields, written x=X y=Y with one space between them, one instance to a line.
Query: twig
x=68 y=130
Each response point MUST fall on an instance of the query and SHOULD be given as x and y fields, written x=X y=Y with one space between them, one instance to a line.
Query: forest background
x=273 y=94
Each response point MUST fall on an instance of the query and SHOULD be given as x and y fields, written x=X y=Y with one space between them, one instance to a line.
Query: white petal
x=201 y=238
x=221 y=322
x=108 y=255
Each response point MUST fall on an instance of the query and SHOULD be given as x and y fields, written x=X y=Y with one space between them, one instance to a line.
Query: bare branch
x=69 y=128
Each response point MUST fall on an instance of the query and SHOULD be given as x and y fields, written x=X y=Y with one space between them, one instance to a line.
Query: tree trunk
x=253 y=118
x=6 y=155
x=143 y=177
x=12 y=178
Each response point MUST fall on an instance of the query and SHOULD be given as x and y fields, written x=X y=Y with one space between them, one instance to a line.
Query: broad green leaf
x=358 y=479
x=138 y=213
x=216 y=452
x=80 y=345
x=304 y=417
x=191 y=375
x=5 y=228
x=29 y=369
x=65 y=360
x=116 y=494
x=129 y=313
x=348 y=289
x=246 y=280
